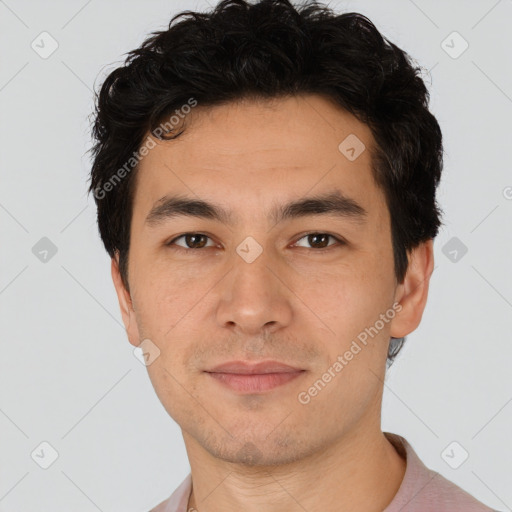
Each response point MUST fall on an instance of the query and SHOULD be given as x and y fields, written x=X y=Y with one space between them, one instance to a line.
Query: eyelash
x=339 y=242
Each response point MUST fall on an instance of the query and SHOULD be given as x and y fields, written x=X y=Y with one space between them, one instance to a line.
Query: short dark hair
x=271 y=49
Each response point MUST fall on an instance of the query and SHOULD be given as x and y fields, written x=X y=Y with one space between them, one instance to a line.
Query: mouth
x=245 y=377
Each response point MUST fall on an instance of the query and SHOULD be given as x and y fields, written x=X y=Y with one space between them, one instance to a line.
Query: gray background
x=68 y=374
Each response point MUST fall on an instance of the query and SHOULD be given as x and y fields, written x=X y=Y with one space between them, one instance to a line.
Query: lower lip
x=246 y=383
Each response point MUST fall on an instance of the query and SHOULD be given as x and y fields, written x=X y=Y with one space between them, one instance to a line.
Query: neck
x=358 y=473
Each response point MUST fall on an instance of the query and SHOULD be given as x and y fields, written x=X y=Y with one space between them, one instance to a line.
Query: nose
x=254 y=297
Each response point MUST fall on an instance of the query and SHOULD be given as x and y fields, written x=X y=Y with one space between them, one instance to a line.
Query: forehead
x=254 y=152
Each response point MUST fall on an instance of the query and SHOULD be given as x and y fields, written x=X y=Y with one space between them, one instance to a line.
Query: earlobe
x=413 y=292
x=125 y=303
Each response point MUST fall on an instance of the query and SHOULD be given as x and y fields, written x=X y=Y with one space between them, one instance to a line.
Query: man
x=265 y=177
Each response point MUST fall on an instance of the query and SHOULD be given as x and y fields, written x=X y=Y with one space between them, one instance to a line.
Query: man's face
x=302 y=301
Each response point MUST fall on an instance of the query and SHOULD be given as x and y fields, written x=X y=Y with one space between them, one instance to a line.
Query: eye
x=320 y=240
x=192 y=241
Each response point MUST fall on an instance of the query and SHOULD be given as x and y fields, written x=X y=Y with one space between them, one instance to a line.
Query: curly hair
x=271 y=49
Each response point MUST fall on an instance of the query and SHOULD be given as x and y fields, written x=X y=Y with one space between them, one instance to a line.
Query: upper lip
x=251 y=368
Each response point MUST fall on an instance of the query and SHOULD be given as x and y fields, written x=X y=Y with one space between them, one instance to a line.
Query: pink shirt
x=421 y=490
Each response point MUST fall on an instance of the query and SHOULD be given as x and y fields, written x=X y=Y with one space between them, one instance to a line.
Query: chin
x=253 y=450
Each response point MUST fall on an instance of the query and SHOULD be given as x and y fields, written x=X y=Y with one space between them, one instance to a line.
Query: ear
x=125 y=303
x=412 y=293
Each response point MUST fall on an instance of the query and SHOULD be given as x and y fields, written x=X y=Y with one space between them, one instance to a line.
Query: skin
x=296 y=303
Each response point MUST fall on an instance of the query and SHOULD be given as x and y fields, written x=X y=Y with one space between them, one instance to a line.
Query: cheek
x=175 y=390
x=165 y=295
x=348 y=299
x=351 y=303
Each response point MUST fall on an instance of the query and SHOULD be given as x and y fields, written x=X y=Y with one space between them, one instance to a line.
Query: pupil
x=315 y=237
x=193 y=237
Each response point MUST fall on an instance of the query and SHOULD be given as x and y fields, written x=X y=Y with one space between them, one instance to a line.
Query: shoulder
x=178 y=500
x=425 y=490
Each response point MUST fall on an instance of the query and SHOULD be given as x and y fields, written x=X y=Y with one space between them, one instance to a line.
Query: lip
x=247 y=368
x=245 y=377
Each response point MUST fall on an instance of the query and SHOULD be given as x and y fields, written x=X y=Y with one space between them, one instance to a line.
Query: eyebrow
x=330 y=204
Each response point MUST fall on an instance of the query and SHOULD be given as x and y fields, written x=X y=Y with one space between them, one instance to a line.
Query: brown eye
x=320 y=240
x=192 y=241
